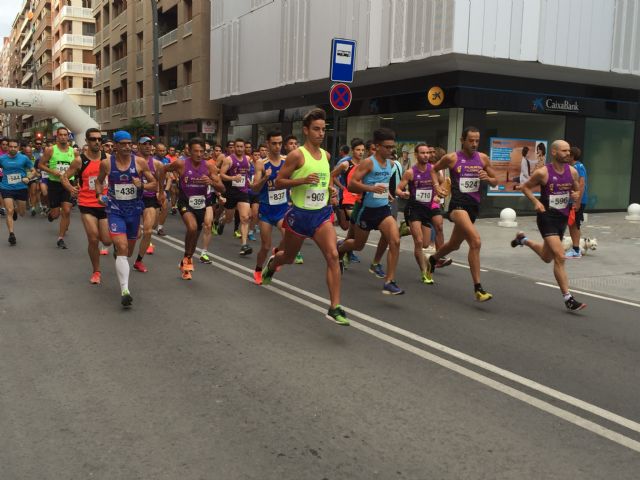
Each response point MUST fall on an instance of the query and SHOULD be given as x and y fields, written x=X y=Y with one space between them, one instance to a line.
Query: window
x=87 y=82
x=88 y=28
x=140 y=89
x=187 y=73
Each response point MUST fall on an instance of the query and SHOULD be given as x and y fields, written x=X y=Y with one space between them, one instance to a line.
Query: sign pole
x=336 y=129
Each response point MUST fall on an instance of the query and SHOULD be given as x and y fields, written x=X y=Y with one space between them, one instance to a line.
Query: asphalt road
x=220 y=379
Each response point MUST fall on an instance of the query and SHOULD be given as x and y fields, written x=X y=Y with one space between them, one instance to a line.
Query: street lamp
x=156 y=69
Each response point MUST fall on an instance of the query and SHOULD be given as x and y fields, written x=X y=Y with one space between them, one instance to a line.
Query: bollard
x=634 y=213
x=508 y=218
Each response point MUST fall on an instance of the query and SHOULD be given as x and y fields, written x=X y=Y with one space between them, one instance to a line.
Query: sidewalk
x=613 y=269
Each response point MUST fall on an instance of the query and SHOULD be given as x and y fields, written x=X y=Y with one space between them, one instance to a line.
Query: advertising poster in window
x=514 y=160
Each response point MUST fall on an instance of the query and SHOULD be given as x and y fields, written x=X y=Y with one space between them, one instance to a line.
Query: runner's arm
x=44 y=161
x=335 y=174
x=259 y=177
x=143 y=169
x=218 y=186
x=292 y=163
x=488 y=174
x=355 y=183
x=577 y=188
x=447 y=161
x=537 y=179
x=73 y=169
x=404 y=181
x=226 y=165
x=102 y=174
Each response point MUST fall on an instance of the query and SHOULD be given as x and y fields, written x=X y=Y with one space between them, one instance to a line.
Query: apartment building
x=124 y=55
x=51 y=48
x=535 y=69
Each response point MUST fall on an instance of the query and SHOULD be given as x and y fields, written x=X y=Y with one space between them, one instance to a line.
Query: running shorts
x=304 y=223
x=551 y=224
x=97 y=212
x=58 y=195
x=369 y=218
x=120 y=224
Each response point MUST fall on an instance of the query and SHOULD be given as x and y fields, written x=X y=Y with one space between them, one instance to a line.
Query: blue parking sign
x=343 y=60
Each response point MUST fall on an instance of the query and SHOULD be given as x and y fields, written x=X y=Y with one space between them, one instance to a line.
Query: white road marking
x=595 y=295
x=526 y=398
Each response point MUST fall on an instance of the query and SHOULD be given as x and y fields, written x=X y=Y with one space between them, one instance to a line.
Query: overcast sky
x=10 y=9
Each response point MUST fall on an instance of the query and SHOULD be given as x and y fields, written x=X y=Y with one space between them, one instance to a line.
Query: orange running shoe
x=150 y=249
x=257 y=277
x=187 y=264
x=96 y=278
x=139 y=266
x=186 y=275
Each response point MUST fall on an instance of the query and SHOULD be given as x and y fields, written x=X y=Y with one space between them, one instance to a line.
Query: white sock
x=566 y=296
x=160 y=227
x=122 y=270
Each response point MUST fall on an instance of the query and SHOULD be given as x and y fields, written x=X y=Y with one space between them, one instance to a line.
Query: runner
x=423 y=207
x=307 y=174
x=55 y=161
x=194 y=202
x=373 y=211
x=579 y=206
x=214 y=197
x=254 y=198
x=467 y=168
x=94 y=217
x=123 y=203
x=558 y=182
x=290 y=144
x=4 y=149
x=34 y=191
x=235 y=172
x=161 y=155
x=151 y=200
x=273 y=201
x=17 y=171
x=41 y=179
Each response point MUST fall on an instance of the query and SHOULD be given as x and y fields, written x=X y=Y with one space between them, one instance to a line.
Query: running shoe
x=257 y=277
x=12 y=238
x=214 y=229
x=139 y=266
x=186 y=275
x=353 y=258
x=220 y=228
x=377 y=270
x=245 y=250
x=338 y=315
x=61 y=244
x=299 y=260
x=96 y=278
x=574 y=305
x=126 y=299
x=573 y=254
x=161 y=232
x=204 y=258
x=237 y=234
x=150 y=249
x=482 y=296
x=426 y=279
x=404 y=229
x=252 y=236
x=443 y=262
x=33 y=212
x=15 y=215
x=104 y=251
x=431 y=266
x=268 y=271
x=3 y=212
x=274 y=250
x=518 y=241
x=187 y=264
x=391 y=288
x=174 y=211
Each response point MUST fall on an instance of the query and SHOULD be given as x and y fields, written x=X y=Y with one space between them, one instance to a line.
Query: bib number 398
x=315 y=198
x=559 y=202
x=469 y=185
x=197 y=202
x=126 y=191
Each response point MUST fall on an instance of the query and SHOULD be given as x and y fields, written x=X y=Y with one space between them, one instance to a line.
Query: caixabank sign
x=553 y=104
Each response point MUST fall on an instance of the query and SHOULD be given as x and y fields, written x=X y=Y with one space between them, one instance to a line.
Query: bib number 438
x=126 y=191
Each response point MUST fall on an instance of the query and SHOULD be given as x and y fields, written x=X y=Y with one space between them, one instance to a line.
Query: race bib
x=277 y=197
x=63 y=167
x=424 y=195
x=197 y=202
x=559 y=201
x=384 y=194
x=126 y=191
x=92 y=183
x=239 y=183
x=469 y=185
x=13 y=178
x=44 y=175
x=315 y=198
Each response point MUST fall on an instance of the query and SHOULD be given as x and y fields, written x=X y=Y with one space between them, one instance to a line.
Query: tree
x=137 y=127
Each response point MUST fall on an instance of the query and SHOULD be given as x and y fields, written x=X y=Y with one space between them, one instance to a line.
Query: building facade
x=124 y=54
x=534 y=70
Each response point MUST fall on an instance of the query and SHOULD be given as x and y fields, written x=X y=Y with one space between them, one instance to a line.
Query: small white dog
x=586 y=244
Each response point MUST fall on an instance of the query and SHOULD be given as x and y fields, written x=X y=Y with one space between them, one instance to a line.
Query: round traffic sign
x=340 y=96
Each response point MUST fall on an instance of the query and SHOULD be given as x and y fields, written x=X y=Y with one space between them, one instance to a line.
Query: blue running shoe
x=391 y=288
x=377 y=270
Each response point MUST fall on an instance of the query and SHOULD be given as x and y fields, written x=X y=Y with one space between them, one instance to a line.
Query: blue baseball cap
x=145 y=139
x=121 y=135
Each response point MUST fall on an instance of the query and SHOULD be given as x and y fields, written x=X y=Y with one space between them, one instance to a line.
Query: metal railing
x=186 y=93
x=102 y=74
x=139 y=60
x=119 y=109
x=168 y=96
x=74 y=67
x=103 y=115
x=119 y=64
x=79 y=91
x=187 y=28
x=139 y=10
x=77 y=41
x=168 y=38
x=138 y=107
x=73 y=12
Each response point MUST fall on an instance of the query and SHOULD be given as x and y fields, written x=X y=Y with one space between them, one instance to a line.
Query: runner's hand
x=539 y=207
x=334 y=195
x=137 y=182
x=267 y=172
x=575 y=196
x=483 y=175
x=74 y=191
x=162 y=198
x=404 y=194
x=312 y=179
x=379 y=189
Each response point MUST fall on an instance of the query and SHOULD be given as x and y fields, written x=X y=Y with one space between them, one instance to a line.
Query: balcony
x=140 y=60
x=27 y=36
x=120 y=20
x=44 y=45
x=69 y=12
x=73 y=41
x=139 y=10
x=103 y=115
x=26 y=78
x=88 y=69
x=169 y=96
x=138 y=107
x=42 y=25
x=79 y=91
x=168 y=38
x=187 y=28
x=102 y=74
x=120 y=64
x=27 y=56
x=184 y=93
x=44 y=69
x=120 y=109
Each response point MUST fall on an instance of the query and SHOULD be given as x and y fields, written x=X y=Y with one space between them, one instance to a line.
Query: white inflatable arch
x=58 y=104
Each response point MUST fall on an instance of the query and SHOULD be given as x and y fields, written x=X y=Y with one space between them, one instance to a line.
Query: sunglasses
x=94 y=139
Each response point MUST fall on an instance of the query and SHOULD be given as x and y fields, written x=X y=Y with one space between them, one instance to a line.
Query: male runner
x=580 y=205
x=123 y=203
x=94 y=217
x=254 y=198
x=55 y=161
x=195 y=176
x=467 y=168
x=273 y=200
x=150 y=198
x=290 y=144
x=17 y=171
x=306 y=173
x=558 y=182
x=235 y=172
x=423 y=207
x=372 y=211
x=161 y=155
